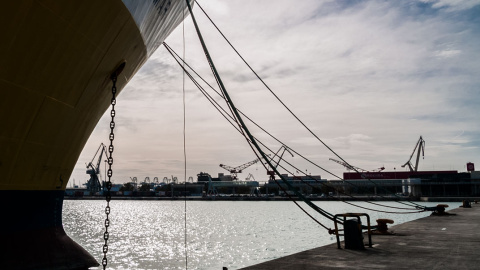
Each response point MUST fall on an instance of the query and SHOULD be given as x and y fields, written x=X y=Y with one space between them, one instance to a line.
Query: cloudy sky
x=367 y=77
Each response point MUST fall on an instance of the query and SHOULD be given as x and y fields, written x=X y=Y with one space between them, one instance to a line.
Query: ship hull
x=33 y=236
x=56 y=59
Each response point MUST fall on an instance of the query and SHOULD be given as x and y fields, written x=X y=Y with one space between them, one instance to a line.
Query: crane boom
x=421 y=148
x=348 y=166
x=238 y=169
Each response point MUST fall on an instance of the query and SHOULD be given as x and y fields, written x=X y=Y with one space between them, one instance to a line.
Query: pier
x=434 y=242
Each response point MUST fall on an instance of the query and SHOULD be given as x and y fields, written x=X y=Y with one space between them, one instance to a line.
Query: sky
x=368 y=78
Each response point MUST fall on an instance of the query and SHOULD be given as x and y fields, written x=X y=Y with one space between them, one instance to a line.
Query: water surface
x=234 y=234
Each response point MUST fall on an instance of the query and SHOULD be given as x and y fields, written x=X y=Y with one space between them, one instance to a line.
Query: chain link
x=108 y=184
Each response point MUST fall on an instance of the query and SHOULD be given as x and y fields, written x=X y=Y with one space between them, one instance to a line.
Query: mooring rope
x=243 y=127
x=225 y=114
x=286 y=107
x=184 y=144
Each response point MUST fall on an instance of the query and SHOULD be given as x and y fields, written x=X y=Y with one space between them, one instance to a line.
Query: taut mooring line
x=247 y=133
x=291 y=112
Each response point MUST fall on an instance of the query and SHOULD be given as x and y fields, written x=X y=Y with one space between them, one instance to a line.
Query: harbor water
x=208 y=234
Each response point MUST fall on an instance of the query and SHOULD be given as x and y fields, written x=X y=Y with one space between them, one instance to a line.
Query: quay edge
x=433 y=242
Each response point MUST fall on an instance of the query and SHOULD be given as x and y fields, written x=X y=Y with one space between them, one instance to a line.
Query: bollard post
x=353 y=234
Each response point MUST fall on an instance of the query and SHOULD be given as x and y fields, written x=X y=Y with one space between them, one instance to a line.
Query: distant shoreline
x=277 y=198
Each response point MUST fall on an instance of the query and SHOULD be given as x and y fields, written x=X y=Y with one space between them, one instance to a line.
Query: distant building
x=305 y=184
x=204 y=177
x=420 y=183
x=394 y=175
x=299 y=179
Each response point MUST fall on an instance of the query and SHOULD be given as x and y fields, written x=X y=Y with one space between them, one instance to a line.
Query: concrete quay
x=434 y=242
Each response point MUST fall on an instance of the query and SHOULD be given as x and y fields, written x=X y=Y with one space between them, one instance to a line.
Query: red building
x=395 y=175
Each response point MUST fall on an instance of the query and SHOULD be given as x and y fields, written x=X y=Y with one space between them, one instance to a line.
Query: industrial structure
x=353 y=168
x=421 y=148
x=236 y=170
x=360 y=182
x=414 y=182
x=271 y=172
x=93 y=184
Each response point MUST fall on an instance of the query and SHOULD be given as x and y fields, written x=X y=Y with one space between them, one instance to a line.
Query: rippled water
x=234 y=234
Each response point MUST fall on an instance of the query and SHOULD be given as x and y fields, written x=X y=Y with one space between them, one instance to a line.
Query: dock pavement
x=434 y=242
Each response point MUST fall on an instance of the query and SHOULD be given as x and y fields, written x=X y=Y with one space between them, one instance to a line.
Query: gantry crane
x=421 y=147
x=93 y=184
x=238 y=169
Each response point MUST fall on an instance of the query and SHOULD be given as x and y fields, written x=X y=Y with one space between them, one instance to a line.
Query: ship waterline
x=55 y=67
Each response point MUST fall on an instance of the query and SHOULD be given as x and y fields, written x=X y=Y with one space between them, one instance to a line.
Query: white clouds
x=369 y=78
x=454 y=5
x=447 y=53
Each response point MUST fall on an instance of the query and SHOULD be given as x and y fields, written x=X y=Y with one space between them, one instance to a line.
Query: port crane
x=238 y=169
x=348 y=166
x=421 y=148
x=353 y=168
x=271 y=173
x=249 y=177
x=93 y=184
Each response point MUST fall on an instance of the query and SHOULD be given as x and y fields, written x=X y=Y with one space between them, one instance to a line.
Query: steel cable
x=217 y=106
x=279 y=100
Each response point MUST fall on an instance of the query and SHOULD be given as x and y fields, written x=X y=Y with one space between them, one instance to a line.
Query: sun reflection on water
x=235 y=234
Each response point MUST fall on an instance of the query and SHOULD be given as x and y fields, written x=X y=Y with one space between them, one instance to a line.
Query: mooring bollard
x=382 y=227
x=441 y=209
x=353 y=234
x=352 y=229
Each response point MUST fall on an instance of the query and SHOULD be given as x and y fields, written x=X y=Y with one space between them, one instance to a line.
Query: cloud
x=453 y=5
x=368 y=77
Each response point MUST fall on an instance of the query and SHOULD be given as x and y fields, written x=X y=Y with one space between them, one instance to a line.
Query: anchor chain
x=108 y=184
